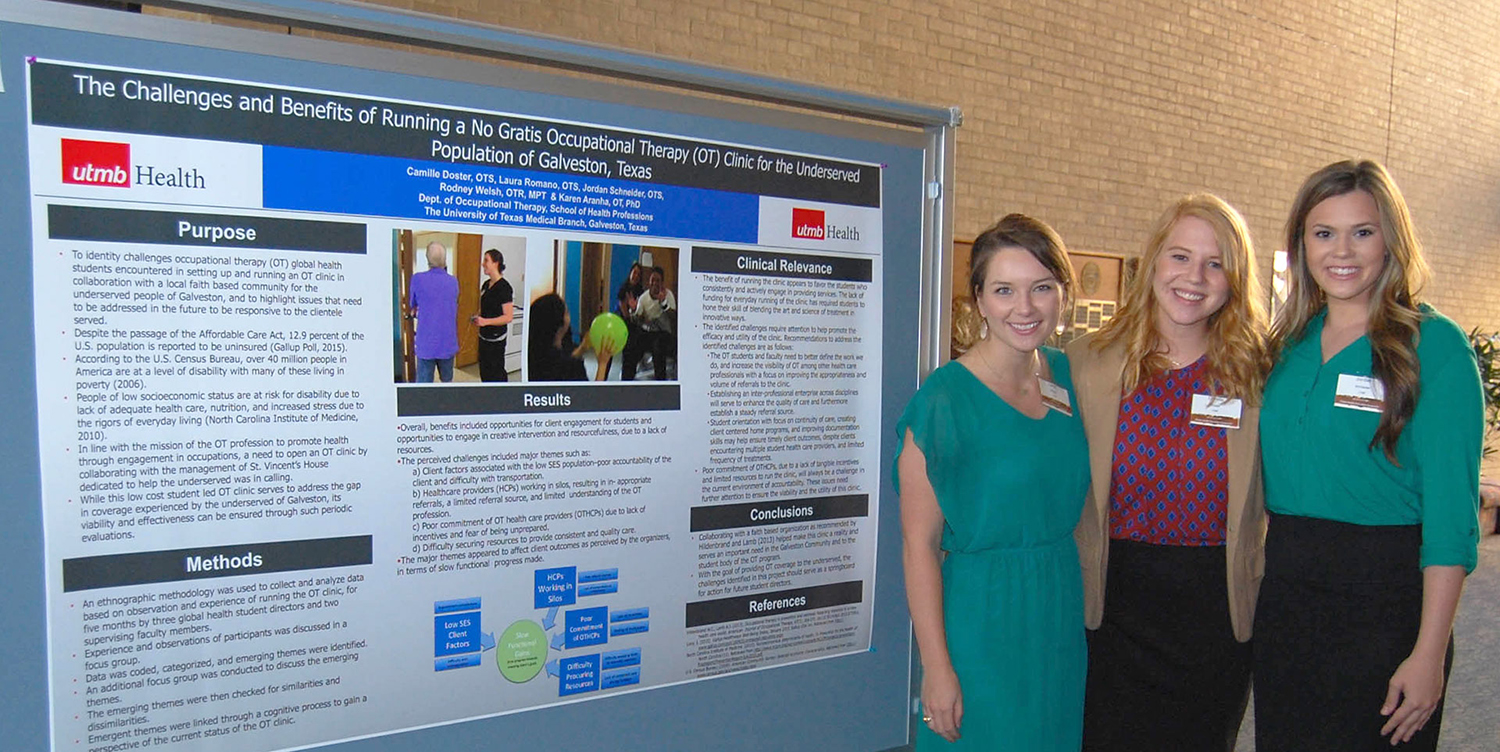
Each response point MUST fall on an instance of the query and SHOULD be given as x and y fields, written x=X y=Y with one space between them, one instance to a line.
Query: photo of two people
x=457 y=314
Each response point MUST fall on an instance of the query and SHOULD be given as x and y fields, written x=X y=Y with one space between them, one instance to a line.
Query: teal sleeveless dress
x=1011 y=489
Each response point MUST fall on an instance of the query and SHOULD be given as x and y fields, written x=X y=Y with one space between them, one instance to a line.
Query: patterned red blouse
x=1169 y=478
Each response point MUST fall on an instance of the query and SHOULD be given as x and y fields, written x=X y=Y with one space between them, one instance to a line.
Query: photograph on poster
x=609 y=303
x=466 y=283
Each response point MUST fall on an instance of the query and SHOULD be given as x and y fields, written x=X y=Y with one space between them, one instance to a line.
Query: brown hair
x=1238 y=359
x=1394 y=320
x=1031 y=235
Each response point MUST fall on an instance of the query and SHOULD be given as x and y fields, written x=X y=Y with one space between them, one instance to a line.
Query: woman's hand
x=942 y=703
x=1414 y=693
x=922 y=525
x=602 y=356
x=1417 y=686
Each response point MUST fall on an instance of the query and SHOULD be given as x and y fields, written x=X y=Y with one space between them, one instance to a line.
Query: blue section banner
x=337 y=183
x=455 y=605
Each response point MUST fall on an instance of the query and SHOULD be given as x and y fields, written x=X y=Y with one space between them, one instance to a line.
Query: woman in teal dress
x=992 y=472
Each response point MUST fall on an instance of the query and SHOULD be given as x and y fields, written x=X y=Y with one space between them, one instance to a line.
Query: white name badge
x=1216 y=411
x=1055 y=397
x=1359 y=393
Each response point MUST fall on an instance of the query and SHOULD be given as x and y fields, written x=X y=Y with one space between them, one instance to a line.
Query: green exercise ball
x=608 y=329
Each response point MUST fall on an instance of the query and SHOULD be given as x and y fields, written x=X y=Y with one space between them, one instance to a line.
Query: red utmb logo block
x=96 y=163
x=807 y=223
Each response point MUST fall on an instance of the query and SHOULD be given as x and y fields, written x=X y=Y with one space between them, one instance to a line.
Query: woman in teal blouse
x=992 y=471
x=1370 y=437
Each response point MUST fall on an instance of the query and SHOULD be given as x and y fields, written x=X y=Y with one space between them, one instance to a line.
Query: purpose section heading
x=191 y=228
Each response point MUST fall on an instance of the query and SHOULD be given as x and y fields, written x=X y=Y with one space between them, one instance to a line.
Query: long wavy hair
x=1238 y=357
x=1394 y=320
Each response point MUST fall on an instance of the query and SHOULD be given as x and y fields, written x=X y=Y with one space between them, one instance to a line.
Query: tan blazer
x=1097 y=378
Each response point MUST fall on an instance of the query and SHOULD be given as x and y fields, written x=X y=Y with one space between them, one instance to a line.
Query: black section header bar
x=782 y=512
x=702 y=613
x=147 y=567
x=204 y=230
x=72 y=96
x=417 y=401
x=708 y=260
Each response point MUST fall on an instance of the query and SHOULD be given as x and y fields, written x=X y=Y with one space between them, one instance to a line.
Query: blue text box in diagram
x=586 y=626
x=629 y=614
x=622 y=678
x=579 y=674
x=621 y=658
x=620 y=629
x=598 y=588
x=556 y=587
x=455 y=633
x=598 y=575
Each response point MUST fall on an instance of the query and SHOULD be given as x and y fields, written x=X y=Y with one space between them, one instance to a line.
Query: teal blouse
x=1317 y=456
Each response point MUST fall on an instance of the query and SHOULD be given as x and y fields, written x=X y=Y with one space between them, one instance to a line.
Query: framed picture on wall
x=1101 y=279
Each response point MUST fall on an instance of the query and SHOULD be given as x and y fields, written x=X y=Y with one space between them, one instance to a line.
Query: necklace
x=1000 y=378
x=1178 y=364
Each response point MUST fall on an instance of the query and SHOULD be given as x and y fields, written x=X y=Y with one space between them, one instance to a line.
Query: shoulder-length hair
x=1393 y=320
x=1029 y=234
x=1238 y=358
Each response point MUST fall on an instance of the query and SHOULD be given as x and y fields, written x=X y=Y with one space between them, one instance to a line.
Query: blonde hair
x=1238 y=358
x=968 y=324
x=1394 y=320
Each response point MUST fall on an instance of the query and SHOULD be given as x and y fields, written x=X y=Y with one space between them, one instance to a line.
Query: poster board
x=262 y=536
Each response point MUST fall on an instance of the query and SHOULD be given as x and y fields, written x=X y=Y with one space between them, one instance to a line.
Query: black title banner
x=213 y=230
x=707 y=260
x=146 y=567
x=778 y=512
x=739 y=608
x=71 y=96
x=417 y=400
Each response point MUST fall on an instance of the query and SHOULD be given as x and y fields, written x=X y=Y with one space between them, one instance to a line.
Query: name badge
x=1216 y=411
x=1359 y=393
x=1056 y=397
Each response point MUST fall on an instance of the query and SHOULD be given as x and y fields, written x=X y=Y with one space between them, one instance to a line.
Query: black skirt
x=1165 y=672
x=1340 y=608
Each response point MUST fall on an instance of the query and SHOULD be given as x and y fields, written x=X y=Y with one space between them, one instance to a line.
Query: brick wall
x=1094 y=115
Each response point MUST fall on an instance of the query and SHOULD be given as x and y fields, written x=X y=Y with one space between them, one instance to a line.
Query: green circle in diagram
x=521 y=651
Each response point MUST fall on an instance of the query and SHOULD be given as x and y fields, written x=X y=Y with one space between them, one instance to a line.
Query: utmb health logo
x=811 y=224
x=107 y=163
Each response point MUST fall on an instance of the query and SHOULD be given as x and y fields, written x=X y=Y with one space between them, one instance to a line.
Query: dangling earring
x=984 y=329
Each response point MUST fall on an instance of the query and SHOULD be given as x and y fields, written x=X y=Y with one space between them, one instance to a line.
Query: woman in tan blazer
x=1170 y=539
